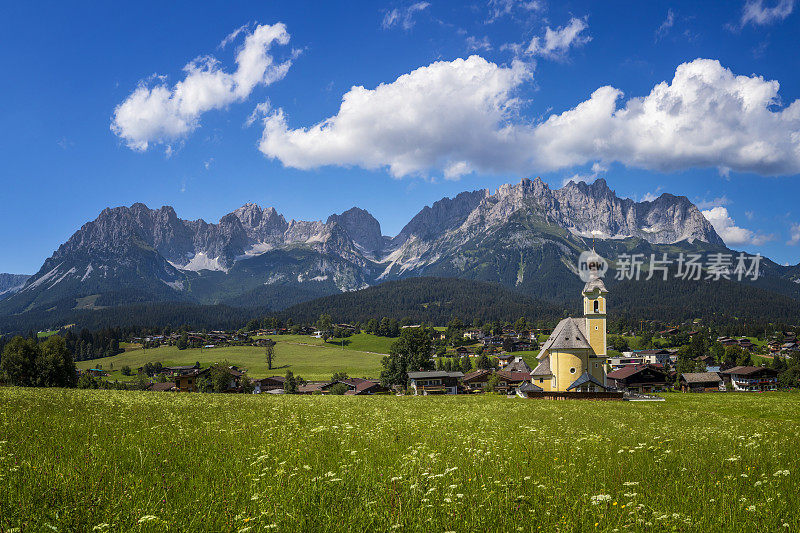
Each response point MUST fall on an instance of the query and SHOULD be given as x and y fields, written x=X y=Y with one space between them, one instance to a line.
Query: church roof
x=530 y=387
x=543 y=368
x=568 y=334
x=595 y=283
x=585 y=378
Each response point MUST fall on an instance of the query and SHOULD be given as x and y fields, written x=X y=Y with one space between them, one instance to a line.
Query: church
x=574 y=357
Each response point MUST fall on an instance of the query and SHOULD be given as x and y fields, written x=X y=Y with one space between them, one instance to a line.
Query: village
x=576 y=360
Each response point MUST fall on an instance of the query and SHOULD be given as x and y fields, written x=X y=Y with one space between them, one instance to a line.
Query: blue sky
x=475 y=95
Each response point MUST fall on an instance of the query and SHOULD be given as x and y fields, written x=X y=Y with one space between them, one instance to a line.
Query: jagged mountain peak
x=363 y=228
x=444 y=215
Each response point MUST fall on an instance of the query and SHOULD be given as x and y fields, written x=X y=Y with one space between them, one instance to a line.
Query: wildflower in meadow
x=600 y=498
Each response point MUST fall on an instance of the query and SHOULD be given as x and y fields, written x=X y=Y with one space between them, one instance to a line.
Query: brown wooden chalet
x=475 y=381
x=434 y=382
x=701 y=382
x=638 y=378
x=187 y=382
x=751 y=378
x=268 y=384
x=357 y=386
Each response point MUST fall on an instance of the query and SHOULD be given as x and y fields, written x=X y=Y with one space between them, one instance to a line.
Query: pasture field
x=80 y=460
x=310 y=362
x=361 y=342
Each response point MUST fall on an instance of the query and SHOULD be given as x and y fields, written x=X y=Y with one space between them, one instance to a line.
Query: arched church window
x=596 y=306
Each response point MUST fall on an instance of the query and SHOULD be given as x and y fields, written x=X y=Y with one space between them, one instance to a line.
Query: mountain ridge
x=524 y=235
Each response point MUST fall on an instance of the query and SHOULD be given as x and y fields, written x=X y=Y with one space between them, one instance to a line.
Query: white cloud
x=705 y=117
x=435 y=117
x=465 y=110
x=730 y=232
x=666 y=25
x=159 y=114
x=454 y=171
x=404 y=16
x=233 y=35
x=502 y=8
x=597 y=169
x=556 y=43
x=260 y=111
x=714 y=202
x=794 y=235
x=649 y=197
x=473 y=43
x=755 y=13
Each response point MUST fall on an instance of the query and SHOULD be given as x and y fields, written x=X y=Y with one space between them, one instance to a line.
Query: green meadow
x=81 y=460
x=309 y=360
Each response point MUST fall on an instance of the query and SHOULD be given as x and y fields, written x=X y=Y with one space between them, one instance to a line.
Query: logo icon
x=591 y=265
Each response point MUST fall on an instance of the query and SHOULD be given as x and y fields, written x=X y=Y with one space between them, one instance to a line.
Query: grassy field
x=310 y=362
x=74 y=460
x=362 y=342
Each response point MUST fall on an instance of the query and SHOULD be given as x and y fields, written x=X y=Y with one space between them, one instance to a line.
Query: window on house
x=596 y=306
x=571 y=370
x=595 y=365
x=541 y=380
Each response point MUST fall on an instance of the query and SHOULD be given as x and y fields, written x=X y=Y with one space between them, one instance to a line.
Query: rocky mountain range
x=525 y=236
x=11 y=283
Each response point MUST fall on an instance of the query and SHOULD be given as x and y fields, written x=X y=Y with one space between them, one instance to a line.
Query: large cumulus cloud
x=453 y=117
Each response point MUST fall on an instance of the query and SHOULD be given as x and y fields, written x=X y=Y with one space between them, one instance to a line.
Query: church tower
x=594 y=310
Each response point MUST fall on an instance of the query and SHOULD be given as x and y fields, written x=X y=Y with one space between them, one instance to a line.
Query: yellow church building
x=574 y=357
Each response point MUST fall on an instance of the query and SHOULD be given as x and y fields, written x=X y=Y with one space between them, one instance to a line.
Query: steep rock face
x=596 y=209
x=667 y=219
x=11 y=283
x=362 y=228
x=445 y=215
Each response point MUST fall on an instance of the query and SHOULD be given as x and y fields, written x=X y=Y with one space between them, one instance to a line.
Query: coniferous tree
x=483 y=363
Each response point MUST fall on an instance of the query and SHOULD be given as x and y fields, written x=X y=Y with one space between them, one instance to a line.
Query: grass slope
x=142 y=461
x=308 y=361
x=362 y=342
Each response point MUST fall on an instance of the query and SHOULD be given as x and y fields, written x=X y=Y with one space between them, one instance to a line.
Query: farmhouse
x=162 y=387
x=357 y=386
x=517 y=365
x=701 y=382
x=476 y=380
x=751 y=378
x=188 y=382
x=313 y=387
x=574 y=357
x=638 y=378
x=434 y=382
x=364 y=387
x=178 y=370
x=268 y=384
